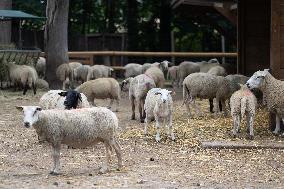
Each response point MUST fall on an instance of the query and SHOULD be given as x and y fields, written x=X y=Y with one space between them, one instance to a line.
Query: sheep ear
x=156 y=93
x=38 y=108
x=64 y=93
x=80 y=97
x=20 y=108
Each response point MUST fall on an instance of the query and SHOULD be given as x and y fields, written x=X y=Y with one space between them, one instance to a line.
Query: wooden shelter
x=260 y=31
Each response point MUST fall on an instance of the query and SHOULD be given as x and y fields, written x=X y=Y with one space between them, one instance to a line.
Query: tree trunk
x=56 y=44
x=5 y=26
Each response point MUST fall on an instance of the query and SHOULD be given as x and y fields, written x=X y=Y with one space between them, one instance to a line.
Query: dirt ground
x=181 y=164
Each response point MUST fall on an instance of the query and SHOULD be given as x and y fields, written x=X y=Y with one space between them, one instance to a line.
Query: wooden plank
x=242 y=145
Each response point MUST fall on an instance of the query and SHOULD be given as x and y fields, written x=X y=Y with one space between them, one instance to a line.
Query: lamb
x=80 y=73
x=157 y=75
x=132 y=70
x=41 y=67
x=76 y=128
x=24 y=75
x=273 y=90
x=99 y=71
x=101 y=88
x=202 y=85
x=243 y=102
x=173 y=75
x=159 y=105
x=186 y=68
x=138 y=88
x=64 y=74
x=55 y=99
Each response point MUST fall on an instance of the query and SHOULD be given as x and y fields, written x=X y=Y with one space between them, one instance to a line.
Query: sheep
x=159 y=105
x=55 y=99
x=24 y=75
x=41 y=67
x=186 y=68
x=64 y=74
x=76 y=128
x=164 y=65
x=273 y=90
x=145 y=67
x=138 y=88
x=101 y=88
x=157 y=75
x=243 y=102
x=173 y=75
x=202 y=85
x=42 y=84
x=99 y=71
x=132 y=70
x=80 y=73
x=227 y=88
x=74 y=65
x=219 y=71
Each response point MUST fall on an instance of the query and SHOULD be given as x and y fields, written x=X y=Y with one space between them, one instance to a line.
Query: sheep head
x=71 y=100
x=256 y=80
x=30 y=114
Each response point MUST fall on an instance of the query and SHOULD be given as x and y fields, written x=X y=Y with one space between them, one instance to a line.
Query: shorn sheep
x=157 y=75
x=138 y=88
x=132 y=70
x=101 y=88
x=64 y=74
x=186 y=68
x=202 y=85
x=243 y=102
x=76 y=128
x=41 y=67
x=273 y=91
x=99 y=71
x=23 y=75
x=159 y=105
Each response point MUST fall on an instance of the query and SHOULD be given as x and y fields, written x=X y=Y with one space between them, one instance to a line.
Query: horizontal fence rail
x=154 y=54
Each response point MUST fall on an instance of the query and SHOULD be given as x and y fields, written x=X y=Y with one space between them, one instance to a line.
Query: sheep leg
x=25 y=89
x=104 y=169
x=277 y=128
x=117 y=150
x=110 y=104
x=133 y=107
x=197 y=109
x=146 y=124
x=117 y=105
x=250 y=126
x=170 y=127
x=224 y=108
x=236 y=120
x=141 y=110
x=211 y=105
x=34 y=88
x=158 y=138
x=238 y=123
x=56 y=157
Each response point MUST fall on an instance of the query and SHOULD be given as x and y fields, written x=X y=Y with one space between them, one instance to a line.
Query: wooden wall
x=253 y=35
x=277 y=38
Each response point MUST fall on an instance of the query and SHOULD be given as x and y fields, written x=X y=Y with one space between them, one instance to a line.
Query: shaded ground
x=181 y=164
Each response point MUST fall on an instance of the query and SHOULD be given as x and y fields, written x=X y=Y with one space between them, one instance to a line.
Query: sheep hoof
x=53 y=173
x=250 y=137
x=132 y=117
x=275 y=133
x=142 y=120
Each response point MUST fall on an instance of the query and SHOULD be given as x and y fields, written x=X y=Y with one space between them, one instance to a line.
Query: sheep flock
x=69 y=115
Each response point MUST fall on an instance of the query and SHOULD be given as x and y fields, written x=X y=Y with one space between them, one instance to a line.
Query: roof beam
x=225 y=10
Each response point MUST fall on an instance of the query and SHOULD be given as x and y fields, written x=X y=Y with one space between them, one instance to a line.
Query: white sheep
x=138 y=88
x=23 y=75
x=99 y=71
x=217 y=70
x=157 y=75
x=145 y=67
x=41 y=67
x=76 y=128
x=243 y=102
x=159 y=105
x=42 y=84
x=81 y=73
x=132 y=70
x=64 y=74
x=101 y=88
x=273 y=90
